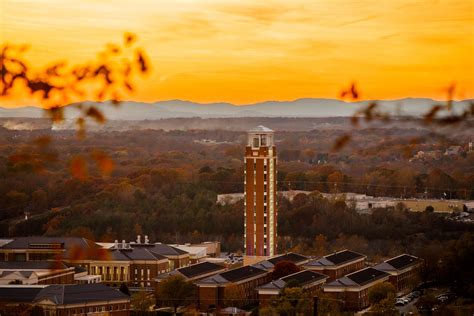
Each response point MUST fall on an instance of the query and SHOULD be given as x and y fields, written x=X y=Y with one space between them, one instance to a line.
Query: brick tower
x=260 y=217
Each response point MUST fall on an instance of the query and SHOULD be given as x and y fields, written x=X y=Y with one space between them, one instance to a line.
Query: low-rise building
x=35 y=272
x=136 y=267
x=270 y=263
x=191 y=273
x=62 y=300
x=214 y=290
x=352 y=290
x=338 y=264
x=404 y=272
x=310 y=281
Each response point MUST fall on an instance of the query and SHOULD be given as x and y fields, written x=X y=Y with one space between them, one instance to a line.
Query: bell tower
x=260 y=217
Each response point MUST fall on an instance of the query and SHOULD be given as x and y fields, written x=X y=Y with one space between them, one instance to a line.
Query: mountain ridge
x=303 y=107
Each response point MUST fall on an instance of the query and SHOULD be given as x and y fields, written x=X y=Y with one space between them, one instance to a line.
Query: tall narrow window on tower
x=260 y=193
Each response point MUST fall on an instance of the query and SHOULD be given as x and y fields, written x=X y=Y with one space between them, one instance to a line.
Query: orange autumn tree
x=109 y=77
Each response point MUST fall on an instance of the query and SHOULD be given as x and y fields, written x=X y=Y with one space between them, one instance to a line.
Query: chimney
x=146 y=239
x=138 y=239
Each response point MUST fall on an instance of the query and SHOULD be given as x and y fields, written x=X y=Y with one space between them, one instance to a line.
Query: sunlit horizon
x=240 y=52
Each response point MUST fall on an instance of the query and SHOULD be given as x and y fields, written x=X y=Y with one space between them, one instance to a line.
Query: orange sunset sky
x=245 y=51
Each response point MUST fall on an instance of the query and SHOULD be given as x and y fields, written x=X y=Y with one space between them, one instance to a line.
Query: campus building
x=191 y=273
x=260 y=216
x=310 y=281
x=35 y=272
x=64 y=300
x=404 y=272
x=240 y=283
x=352 y=290
x=135 y=263
x=337 y=264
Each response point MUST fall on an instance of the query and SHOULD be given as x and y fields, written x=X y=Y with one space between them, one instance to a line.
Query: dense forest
x=164 y=183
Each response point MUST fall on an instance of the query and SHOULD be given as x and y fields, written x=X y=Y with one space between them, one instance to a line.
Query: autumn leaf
x=76 y=253
x=97 y=115
x=142 y=61
x=352 y=92
x=56 y=114
x=129 y=38
x=432 y=113
x=79 y=168
x=104 y=162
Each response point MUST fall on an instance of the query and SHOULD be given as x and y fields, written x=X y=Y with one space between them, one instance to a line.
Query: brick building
x=404 y=272
x=310 y=281
x=35 y=272
x=352 y=290
x=214 y=290
x=270 y=263
x=135 y=263
x=65 y=300
x=338 y=264
x=136 y=266
x=191 y=273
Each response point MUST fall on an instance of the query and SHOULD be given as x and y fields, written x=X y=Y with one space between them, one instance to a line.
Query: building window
x=255 y=142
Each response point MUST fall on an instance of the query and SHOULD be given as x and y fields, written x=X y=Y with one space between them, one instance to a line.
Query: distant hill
x=130 y=110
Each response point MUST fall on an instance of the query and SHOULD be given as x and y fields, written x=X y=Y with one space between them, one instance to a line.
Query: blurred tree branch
x=440 y=115
x=109 y=77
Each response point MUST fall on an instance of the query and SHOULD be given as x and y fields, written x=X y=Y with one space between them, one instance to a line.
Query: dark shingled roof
x=60 y=242
x=343 y=256
x=128 y=254
x=304 y=277
x=403 y=261
x=31 y=265
x=19 y=293
x=366 y=276
x=200 y=269
x=242 y=273
x=79 y=293
x=163 y=249
x=292 y=257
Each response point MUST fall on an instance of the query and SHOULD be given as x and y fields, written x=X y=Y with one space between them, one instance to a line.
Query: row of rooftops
x=217 y=275
x=65 y=294
x=242 y=274
x=112 y=251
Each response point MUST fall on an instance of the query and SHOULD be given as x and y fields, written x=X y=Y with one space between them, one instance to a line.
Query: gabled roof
x=19 y=293
x=79 y=293
x=270 y=263
x=32 y=265
x=336 y=258
x=304 y=277
x=398 y=263
x=129 y=254
x=49 y=243
x=242 y=273
x=19 y=274
x=301 y=278
x=201 y=268
x=166 y=250
x=292 y=257
x=360 y=278
x=234 y=275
